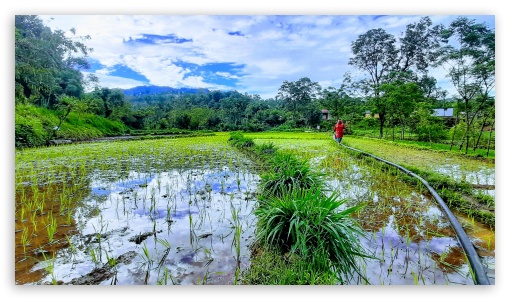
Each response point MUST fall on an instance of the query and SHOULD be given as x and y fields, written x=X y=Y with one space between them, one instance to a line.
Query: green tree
x=401 y=97
x=297 y=95
x=428 y=127
x=47 y=63
x=379 y=55
x=115 y=105
x=468 y=55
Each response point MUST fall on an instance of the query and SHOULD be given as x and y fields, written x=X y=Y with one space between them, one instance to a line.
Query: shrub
x=266 y=149
x=311 y=225
x=238 y=140
x=34 y=126
x=287 y=172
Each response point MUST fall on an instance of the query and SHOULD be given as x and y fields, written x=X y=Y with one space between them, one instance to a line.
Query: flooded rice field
x=184 y=220
x=408 y=235
x=180 y=212
x=474 y=171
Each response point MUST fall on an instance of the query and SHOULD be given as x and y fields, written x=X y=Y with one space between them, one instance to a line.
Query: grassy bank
x=35 y=126
x=440 y=147
x=302 y=235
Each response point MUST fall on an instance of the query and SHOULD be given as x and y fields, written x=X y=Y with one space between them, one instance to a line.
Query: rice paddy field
x=180 y=212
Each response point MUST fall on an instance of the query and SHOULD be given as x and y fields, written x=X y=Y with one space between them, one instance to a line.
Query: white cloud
x=272 y=48
x=116 y=81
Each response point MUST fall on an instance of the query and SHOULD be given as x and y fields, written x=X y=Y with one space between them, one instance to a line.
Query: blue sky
x=248 y=53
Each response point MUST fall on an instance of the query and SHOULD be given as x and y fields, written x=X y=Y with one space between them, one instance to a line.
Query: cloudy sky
x=248 y=53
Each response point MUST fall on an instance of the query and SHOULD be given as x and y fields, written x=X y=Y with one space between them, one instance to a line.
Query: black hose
x=473 y=258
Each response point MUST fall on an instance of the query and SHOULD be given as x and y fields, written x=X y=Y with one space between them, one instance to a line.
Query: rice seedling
x=25 y=239
x=236 y=241
x=49 y=266
x=147 y=261
x=34 y=221
x=51 y=227
x=22 y=214
x=166 y=275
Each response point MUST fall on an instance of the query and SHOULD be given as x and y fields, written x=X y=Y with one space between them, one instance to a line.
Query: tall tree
x=468 y=55
x=400 y=96
x=47 y=63
x=297 y=95
x=378 y=54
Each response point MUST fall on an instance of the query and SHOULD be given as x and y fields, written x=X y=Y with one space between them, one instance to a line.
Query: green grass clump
x=287 y=171
x=266 y=149
x=298 y=220
x=485 y=199
x=271 y=267
x=313 y=226
x=237 y=139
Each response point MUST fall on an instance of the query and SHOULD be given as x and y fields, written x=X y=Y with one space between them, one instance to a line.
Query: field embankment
x=35 y=126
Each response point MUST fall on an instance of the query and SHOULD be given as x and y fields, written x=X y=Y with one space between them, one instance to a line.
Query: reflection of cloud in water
x=160 y=213
x=441 y=244
x=119 y=187
x=214 y=180
x=433 y=212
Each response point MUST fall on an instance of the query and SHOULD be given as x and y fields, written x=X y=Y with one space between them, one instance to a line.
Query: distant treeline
x=54 y=99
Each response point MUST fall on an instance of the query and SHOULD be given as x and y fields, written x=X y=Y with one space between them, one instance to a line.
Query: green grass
x=313 y=226
x=34 y=126
x=286 y=172
x=295 y=216
x=270 y=267
x=439 y=147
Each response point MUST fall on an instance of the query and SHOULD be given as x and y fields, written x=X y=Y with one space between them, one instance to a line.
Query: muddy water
x=173 y=226
x=137 y=219
x=408 y=234
x=409 y=237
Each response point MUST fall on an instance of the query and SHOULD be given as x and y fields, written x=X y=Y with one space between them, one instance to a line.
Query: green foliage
x=270 y=267
x=114 y=103
x=287 y=172
x=428 y=127
x=237 y=139
x=312 y=225
x=47 y=62
x=34 y=126
x=86 y=126
x=298 y=96
x=296 y=216
x=266 y=149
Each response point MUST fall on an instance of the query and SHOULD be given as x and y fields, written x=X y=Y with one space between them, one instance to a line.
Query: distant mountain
x=152 y=89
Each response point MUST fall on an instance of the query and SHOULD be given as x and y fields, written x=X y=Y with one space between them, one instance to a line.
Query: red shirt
x=339 y=130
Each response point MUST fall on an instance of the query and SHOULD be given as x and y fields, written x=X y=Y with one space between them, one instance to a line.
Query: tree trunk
x=490 y=137
x=453 y=136
x=463 y=140
x=480 y=135
x=455 y=126
x=381 y=123
x=467 y=125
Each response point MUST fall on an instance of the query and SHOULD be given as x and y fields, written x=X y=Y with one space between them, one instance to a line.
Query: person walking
x=339 y=131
